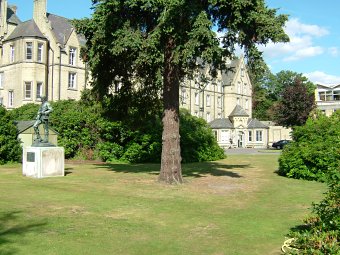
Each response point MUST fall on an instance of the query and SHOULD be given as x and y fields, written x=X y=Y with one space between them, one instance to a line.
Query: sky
x=313 y=28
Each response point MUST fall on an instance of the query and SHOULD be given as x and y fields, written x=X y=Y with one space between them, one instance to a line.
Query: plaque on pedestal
x=40 y=162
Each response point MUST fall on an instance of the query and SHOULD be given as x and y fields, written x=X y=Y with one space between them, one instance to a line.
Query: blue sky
x=313 y=27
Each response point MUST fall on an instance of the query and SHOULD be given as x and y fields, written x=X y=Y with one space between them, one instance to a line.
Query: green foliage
x=315 y=150
x=321 y=232
x=10 y=149
x=197 y=140
x=277 y=97
x=25 y=112
x=77 y=127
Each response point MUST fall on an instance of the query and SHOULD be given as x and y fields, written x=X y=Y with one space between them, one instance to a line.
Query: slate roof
x=238 y=111
x=26 y=29
x=23 y=125
x=12 y=17
x=228 y=76
x=254 y=123
x=61 y=27
x=221 y=123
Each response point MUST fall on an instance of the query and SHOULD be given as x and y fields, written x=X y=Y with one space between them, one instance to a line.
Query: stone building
x=39 y=57
x=216 y=98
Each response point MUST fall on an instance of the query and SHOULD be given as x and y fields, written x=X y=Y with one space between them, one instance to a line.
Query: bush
x=321 y=233
x=197 y=140
x=10 y=149
x=315 y=150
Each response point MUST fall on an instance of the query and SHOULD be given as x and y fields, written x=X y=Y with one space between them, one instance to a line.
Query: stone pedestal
x=40 y=162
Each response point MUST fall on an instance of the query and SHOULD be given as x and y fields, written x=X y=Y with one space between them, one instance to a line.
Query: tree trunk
x=171 y=171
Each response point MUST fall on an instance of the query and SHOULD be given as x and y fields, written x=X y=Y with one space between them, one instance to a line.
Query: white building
x=327 y=98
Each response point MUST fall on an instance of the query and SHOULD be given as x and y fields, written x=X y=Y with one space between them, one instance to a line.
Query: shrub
x=321 y=233
x=10 y=149
x=197 y=140
x=315 y=150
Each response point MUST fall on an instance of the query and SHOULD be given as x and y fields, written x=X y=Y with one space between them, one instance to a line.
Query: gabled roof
x=23 y=125
x=228 y=75
x=254 y=123
x=12 y=17
x=238 y=111
x=26 y=29
x=221 y=123
x=61 y=27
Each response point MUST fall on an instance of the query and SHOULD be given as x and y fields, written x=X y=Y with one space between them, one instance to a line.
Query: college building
x=39 y=57
x=327 y=98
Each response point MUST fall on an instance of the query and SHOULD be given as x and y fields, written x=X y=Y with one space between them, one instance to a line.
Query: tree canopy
x=152 y=44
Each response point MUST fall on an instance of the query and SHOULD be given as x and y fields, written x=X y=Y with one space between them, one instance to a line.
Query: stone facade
x=39 y=57
x=327 y=98
x=216 y=98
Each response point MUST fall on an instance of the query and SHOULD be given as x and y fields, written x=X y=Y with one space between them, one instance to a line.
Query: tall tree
x=156 y=43
x=296 y=103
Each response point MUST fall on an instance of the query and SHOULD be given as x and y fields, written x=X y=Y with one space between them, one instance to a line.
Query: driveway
x=251 y=151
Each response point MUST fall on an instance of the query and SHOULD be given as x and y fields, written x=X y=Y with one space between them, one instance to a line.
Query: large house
x=39 y=57
x=327 y=98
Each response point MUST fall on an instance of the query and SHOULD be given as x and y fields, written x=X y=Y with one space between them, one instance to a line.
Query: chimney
x=39 y=11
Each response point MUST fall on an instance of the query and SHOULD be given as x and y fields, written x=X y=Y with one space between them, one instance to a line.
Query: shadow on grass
x=188 y=170
x=9 y=228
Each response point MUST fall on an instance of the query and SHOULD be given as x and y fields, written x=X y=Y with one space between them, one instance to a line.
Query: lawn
x=233 y=206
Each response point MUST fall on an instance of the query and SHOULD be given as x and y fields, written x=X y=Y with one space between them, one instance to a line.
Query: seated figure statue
x=42 y=118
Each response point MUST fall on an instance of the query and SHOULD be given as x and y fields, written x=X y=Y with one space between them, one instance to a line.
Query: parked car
x=280 y=144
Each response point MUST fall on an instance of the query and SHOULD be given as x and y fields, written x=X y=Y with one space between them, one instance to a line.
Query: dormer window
x=72 y=56
x=29 y=50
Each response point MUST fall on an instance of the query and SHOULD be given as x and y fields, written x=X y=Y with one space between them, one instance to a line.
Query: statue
x=42 y=118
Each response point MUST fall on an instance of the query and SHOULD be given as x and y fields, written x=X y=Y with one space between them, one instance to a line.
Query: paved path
x=251 y=151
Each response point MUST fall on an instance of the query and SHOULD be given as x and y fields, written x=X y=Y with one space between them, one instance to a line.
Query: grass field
x=234 y=206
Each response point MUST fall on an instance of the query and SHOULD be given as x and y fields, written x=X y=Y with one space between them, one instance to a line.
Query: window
x=219 y=102
x=219 y=115
x=72 y=56
x=12 y=53
x=224 y=136
x=250 y=136
x=238 y=101
x=258 y=135
x=242 y=72
x=196 y=99
x=39 y=89
x=29 y=49
x=208 y=100
x=196 y=114
x=208 y=117
x=72 y=80
x=247 y=104
x=28 y=90
x=40 y=52
x=239 y=87
x=10 y=98
x=1 y=80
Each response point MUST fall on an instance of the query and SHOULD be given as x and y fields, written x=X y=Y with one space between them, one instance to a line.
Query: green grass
x=234 y=206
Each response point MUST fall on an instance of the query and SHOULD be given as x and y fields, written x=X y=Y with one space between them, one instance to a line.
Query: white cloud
x=322 y=78
x=301 y=43
x=294 y=27
x=305 y=53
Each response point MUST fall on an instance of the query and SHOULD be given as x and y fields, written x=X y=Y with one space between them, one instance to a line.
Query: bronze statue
x=42 y=118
